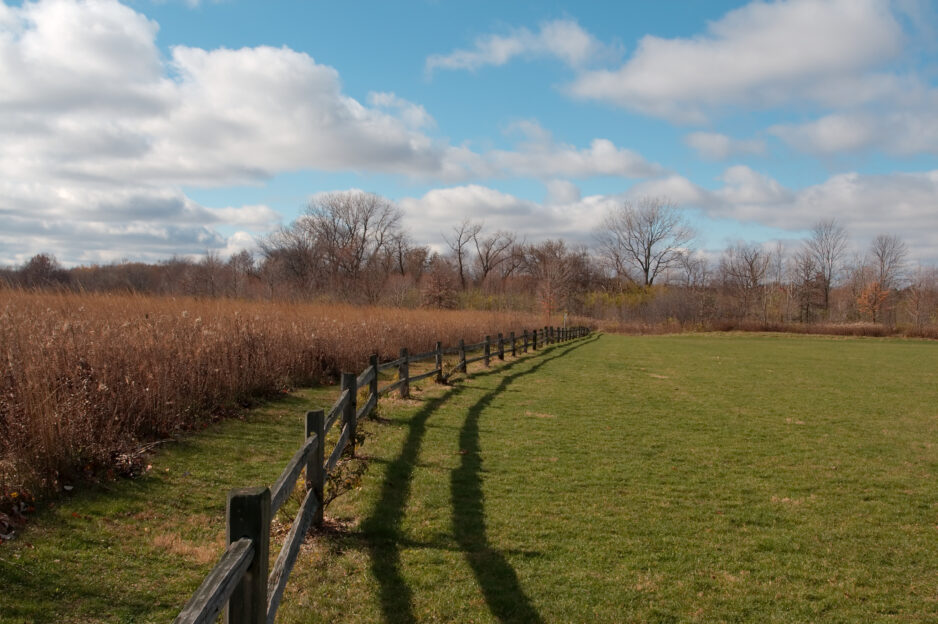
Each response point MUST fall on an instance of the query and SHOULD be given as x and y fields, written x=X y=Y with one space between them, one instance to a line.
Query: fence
x=240 y=580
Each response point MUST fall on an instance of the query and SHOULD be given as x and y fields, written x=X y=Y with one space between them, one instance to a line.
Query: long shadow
x=381 y=531
x=496 y=577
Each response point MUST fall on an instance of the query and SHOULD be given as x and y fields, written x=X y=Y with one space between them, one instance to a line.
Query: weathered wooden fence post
x=534 y=340
x=248 y=513
x=373 y=384
x=403 y=373
x=348 y=416
x=315 y=475
x=524 y=336
x=439 y=362
x=514 y=349
x=462 y=355
x=501 y=347
x=488 y=350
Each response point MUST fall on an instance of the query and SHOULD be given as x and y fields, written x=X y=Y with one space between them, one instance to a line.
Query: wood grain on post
x=501 y=347
x=403 y=374
x=534 y=340
x=439 y=362
x=514 y=349
x=315 y=476
x=462 y=355
x=488 y=350
x=524 y=337
x=248 y=513
x=348 y=415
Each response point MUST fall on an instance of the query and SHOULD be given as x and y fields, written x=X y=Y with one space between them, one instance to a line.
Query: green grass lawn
x=676 y=478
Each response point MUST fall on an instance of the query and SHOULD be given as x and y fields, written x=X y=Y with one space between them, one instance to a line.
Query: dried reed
x=86 y=379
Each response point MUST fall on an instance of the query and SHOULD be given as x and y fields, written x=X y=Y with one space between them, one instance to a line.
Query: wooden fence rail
x=239 y=583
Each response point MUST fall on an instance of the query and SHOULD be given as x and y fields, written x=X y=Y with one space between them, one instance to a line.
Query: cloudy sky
x=144 y=129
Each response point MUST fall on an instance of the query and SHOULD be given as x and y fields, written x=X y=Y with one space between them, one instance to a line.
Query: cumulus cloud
x=99 y=128
x=538 y=155
x=563 y=39
x=763 y=54
x=897 y=203
x=903 y=132
x=867 y=205
x=716 y=146
x=432 y=216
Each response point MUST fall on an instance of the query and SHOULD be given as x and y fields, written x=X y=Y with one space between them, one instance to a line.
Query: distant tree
x=888 y=257
x=551 y=266
x=743 y=269
x=647 y=236
x=439 y=284
x=492 y=250
x=43 y=271
x=463 y=234
x=807 y=283
x=826 y=246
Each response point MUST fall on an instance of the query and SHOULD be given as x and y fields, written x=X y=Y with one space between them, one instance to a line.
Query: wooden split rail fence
x=241 y=580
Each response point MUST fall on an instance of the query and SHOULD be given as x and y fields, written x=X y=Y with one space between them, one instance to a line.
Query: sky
x=147 y=129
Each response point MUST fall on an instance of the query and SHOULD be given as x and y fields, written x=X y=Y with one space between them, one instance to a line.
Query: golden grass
x=86 y=378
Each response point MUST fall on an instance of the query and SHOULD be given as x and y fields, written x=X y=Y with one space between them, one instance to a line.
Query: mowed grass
x=693 y=478
x=135 y=550
x=737 y=478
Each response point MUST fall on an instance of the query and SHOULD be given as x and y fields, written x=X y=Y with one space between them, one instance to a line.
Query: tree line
x=642 y=266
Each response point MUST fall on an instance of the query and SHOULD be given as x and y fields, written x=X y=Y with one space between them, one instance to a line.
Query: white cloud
x=903 y=132
x=539 y=156
x=763 y=54
x=867 y=205
x=99 y=128
x=432 y=216
x=902 y=204
x=562 y=192
x=563 y=39
x=715 y=146
x=414 y=115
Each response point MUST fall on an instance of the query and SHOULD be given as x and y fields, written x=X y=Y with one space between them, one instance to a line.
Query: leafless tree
x=353 y=229
x=827 y=245
x=463 y=234
x=549 y=264
x=647 y=236
x=743 y=269
x=491 y=251
x=888 y=256
x=806 y=280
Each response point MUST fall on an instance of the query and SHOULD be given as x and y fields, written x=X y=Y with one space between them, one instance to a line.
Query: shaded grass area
x=693 y=478
x=135 y=550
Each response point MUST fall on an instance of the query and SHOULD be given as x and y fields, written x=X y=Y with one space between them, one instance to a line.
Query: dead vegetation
x=86 y=379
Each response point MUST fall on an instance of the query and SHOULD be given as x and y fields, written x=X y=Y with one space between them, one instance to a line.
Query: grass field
x=757 y=478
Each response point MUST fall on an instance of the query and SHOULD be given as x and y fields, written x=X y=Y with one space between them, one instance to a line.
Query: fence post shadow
x=381 y=530
x=496 y=577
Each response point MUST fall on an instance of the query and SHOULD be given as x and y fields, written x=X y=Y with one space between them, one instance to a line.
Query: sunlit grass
x=690 y=478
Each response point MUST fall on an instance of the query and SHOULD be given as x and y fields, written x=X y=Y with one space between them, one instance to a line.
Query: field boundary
x=239 y=583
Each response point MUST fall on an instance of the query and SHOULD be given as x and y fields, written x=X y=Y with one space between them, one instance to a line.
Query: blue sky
x=146 y=129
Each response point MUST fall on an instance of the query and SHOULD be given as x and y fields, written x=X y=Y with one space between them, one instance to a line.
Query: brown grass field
x=87 y=379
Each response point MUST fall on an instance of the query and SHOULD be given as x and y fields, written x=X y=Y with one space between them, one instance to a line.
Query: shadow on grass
x=496 y=577
x=382 y=529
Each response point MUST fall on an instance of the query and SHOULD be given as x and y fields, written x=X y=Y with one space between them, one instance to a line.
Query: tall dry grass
x=86 y=378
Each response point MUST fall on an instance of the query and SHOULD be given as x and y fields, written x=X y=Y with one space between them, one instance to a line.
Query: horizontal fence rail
x=239 y=583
